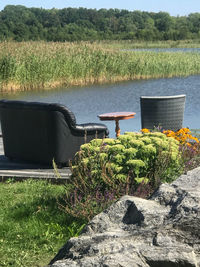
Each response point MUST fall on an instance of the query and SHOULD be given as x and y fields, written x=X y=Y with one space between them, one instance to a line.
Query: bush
x=132 y=154
x=105 y=170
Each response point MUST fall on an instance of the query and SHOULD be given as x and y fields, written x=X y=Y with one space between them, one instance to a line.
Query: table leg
x=117 y=129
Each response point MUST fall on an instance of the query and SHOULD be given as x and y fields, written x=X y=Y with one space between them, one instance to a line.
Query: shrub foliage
x=131 y=154
x=105 y=170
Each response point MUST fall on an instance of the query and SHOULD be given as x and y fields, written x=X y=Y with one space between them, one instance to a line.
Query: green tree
x=74 y=24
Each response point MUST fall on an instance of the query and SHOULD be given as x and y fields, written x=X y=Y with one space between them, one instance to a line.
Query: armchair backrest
x=39 y=132
x=164 y=111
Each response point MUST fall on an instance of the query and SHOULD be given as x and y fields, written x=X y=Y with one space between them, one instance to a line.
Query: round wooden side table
x=116 y=116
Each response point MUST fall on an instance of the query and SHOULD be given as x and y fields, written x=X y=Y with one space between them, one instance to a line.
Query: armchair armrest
x=91 y=129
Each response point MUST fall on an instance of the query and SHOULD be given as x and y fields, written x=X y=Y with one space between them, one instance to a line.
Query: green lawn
x=32 y=226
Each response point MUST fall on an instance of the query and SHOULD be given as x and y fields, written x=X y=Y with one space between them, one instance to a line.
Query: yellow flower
x=196 y=139
x=145 y=130
x=183 y=135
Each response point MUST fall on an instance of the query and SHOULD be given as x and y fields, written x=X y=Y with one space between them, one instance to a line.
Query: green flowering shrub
x=140 y=156
x=132 y=164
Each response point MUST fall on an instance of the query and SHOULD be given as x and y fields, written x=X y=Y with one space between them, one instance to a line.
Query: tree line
x=20 y=23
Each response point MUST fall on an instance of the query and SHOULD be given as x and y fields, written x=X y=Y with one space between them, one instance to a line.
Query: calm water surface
x=87 y=102
x=165 y=49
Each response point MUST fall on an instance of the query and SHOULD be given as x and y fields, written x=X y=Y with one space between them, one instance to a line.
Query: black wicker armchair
x=40 y=132
x=162 y=111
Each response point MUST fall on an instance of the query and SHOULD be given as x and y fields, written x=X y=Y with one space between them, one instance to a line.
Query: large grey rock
x=161 y=232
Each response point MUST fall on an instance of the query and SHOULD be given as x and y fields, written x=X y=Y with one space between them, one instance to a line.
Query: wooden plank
x=22 y=170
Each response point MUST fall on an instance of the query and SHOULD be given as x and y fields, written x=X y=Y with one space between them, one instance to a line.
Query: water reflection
x=87 y=102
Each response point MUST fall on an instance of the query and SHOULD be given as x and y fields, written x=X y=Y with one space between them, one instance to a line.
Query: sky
x=173 y=7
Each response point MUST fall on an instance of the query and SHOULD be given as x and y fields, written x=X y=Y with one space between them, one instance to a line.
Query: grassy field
x=36 y=65
x=32 y=227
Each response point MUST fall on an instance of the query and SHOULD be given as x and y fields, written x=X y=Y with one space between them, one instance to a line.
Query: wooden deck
x=21 y=170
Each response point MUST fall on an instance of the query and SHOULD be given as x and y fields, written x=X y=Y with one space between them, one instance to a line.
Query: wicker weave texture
x=165 y=112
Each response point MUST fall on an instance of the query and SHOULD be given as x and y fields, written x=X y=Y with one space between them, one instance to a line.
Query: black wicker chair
x=162 y=111
x=40 y=132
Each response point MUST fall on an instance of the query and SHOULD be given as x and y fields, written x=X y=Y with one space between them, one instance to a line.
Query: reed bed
x=36 y=65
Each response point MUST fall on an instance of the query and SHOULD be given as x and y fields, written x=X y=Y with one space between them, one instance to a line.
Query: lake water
x=166 y=49
x=89 y=101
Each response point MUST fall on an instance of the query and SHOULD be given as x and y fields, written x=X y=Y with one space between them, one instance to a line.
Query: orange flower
x=188 y=144
x=145 y=130
x=183 y=136
x=169 y=133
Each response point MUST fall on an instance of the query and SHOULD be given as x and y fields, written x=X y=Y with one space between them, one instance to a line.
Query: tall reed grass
x=36 y=65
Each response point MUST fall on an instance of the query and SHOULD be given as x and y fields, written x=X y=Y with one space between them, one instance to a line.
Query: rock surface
x=161 y=232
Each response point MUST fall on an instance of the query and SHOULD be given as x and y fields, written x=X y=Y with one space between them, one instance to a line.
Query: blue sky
x=174 y=7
